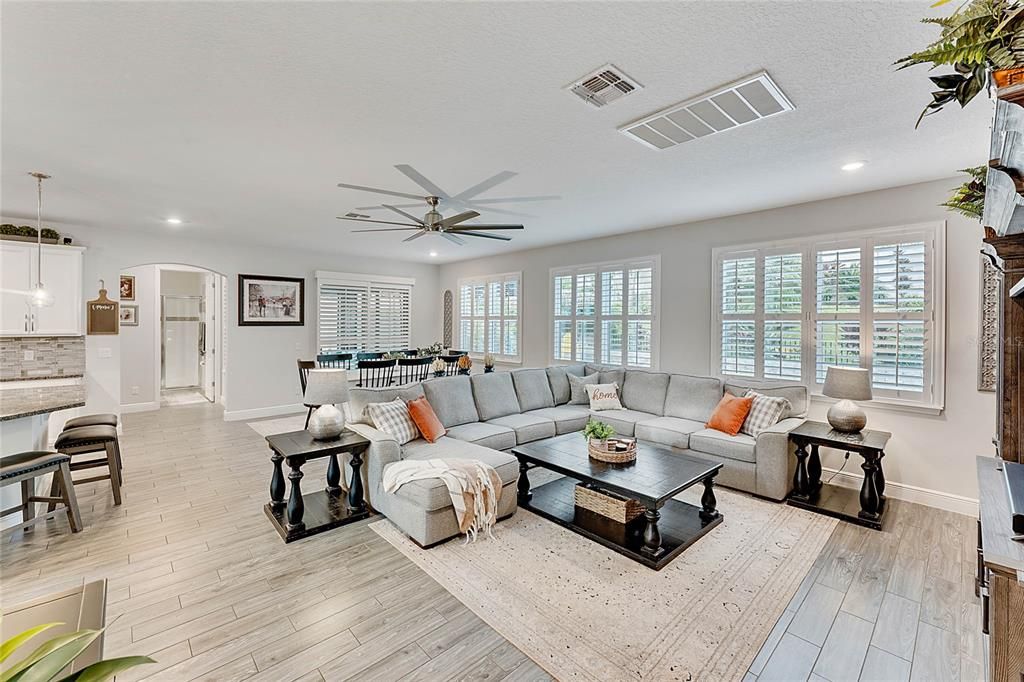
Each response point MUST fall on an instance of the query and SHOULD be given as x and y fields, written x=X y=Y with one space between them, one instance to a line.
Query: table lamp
x=326 y=388
x=847 y=384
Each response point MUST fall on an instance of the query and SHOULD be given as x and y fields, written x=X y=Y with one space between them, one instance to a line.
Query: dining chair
x=413 y=369
x=376 y=373
x=451 y=364
x=458 y=352
x=411 y=353
x=334 y=360
x=369 y=356
x=304 y=367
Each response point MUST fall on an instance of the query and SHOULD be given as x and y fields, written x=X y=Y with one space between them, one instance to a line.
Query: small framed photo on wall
x=129 y=316
x=127 y=287
x=264 y=300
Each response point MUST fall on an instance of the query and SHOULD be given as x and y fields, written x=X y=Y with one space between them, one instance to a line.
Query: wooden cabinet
x=61 y=275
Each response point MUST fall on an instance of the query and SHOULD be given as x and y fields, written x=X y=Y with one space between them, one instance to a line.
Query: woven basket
x=609 y=505
x=605 y=451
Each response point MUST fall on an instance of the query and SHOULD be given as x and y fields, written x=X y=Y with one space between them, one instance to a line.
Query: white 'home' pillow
x=604 y=396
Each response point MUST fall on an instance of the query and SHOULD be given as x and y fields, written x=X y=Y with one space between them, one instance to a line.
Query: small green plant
x=598 y=430
x=28 y=231
x=969 y=198
x=431 y=350
x=54 y=655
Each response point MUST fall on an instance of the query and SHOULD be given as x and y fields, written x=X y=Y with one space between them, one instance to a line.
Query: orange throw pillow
x=730 y=414
x=426 y=420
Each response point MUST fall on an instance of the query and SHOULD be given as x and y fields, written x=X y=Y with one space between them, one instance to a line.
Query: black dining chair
x=369 y=356
x=304 y=367
x=451 y=364
x=411 y=353
x=458 y=352
x=376 y=373
x=334 y=360
x=413 y=369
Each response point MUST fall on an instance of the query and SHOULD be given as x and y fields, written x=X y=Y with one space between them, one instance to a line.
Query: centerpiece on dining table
x=604 y=447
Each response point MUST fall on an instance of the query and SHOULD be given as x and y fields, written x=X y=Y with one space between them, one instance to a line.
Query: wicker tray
x=608 y=453
x=607 y=504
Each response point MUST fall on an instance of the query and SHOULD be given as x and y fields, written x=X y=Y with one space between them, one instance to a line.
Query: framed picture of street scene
x=264 y=300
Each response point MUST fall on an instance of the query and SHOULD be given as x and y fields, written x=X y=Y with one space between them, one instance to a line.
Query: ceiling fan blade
x=421 y=180
x=448 y=222
x=487 y=184
x=382 y=222
x=388 y=229
x=452 y=238
x=404 y=195
x=377 y=207
x=517 y=200
x=466 y=233
x=486 y=227
x=399 y=211
x=415 y=236
x=352 y=214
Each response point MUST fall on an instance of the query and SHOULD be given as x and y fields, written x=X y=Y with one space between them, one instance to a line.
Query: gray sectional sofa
x=487 y=414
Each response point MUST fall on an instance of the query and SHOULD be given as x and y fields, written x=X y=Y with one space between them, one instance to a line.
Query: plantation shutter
x=489 y=316
x=363 y=316
x=899 y=320
x=738 y=291
x=783 y=304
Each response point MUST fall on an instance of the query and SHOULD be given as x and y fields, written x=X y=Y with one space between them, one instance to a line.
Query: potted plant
x=47 y=661
x=969 y=198
x=981 y=37
x=597 y=433
x=27 y=233
x=464 y=364
x=437 y=367
x=432 y=350
x=488 y=363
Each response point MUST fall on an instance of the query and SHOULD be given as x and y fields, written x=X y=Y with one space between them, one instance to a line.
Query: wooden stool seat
x=91 y=420
x=25 y=467
x=97 y=438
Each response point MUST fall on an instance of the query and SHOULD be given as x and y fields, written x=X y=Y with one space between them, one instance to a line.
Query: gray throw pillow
x=577 y=392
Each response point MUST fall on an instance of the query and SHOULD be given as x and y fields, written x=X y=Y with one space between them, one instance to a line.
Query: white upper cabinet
x=62 y=277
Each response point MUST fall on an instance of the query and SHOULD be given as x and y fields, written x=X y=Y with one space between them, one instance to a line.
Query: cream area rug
x=583 y=612
x=268 y=427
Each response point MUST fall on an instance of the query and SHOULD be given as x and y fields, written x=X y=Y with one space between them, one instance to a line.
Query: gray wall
x=934 y=453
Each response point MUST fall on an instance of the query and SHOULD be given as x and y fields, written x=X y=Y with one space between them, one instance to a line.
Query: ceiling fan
x=433 y=221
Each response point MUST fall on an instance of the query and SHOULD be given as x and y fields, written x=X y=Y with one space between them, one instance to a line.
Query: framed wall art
x=265 y=300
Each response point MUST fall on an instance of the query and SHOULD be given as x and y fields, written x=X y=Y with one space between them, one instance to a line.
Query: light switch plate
x=30 y=355
x=105 y=353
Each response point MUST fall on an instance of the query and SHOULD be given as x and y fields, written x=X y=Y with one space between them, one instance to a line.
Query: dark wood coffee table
x=659 y=473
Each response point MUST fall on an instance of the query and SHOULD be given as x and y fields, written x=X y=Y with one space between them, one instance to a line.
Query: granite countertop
x=26 y=402
x=48 y=377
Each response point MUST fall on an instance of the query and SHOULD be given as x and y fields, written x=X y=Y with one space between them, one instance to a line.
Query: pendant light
x=41 y=298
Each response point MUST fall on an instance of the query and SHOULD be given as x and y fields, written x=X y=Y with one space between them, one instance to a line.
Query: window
x=873 y=299
x=489 y=320
x=605 y=313
x=360 y=313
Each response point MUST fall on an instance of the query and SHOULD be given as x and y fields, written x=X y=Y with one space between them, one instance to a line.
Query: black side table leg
x=813 y=470
x=356 y=503
x=277 y=483
x=333 y=476
x=708 y=503
x=880 y=479
x=869 y=501
x=523 y=486
x=652 y=535
x=800 y=478
x=296 y=507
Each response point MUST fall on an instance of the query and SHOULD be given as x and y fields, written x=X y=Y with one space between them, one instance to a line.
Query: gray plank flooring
x=199 y=580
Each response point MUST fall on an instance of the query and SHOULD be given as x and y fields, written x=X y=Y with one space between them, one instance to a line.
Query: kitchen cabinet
x=62 y=277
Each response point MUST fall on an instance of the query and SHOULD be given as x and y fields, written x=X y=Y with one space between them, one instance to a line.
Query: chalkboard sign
x=101 y=315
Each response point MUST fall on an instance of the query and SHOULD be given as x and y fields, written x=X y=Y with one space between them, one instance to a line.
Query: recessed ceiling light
x=852 y=166
x=433 y=254
x=174 y=221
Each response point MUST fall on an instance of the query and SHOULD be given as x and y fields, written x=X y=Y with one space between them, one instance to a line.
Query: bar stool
x=25 y=467
x=85 y=439
x=91 y=420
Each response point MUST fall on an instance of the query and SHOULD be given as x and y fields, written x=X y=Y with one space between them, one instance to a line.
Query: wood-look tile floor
x=200 y=581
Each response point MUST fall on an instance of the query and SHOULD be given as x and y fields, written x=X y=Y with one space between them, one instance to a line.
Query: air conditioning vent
x=737 y=104
x=604 y=86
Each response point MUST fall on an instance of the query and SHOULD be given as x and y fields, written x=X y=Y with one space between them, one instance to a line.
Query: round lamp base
x=326 y=423
x=847 y=417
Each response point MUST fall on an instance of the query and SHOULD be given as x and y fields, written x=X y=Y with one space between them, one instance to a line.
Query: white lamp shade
x=847 y=383
x=326 y=387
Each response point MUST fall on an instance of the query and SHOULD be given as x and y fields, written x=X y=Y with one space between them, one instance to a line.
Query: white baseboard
x=140 y=407
x=909 y=493
x=261 y=412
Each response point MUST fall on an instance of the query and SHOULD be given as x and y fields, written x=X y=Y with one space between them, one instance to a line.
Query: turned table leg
x=708 y=503
x=800 y=478
x=524 y=483
x=333 y=476
x=296 y=507
x=652 y=535
x=277 y=482
x=813 y=470
x=356 y=503
x=869 y=502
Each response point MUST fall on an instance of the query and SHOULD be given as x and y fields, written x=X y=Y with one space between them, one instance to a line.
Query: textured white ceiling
x=242 y=117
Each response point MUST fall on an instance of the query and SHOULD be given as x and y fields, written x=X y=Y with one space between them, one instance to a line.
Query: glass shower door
x=182 y=326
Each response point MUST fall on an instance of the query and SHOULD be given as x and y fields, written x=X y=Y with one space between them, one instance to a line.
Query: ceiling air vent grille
x=604 y=86
x=737 y=104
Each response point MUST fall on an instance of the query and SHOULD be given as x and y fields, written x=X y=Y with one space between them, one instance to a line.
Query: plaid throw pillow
x=765 y=412
x=393 y=419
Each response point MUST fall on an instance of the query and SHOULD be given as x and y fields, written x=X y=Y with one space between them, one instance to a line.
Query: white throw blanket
x=475 y=488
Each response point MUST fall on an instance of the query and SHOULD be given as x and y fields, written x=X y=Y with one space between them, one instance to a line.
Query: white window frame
x=486 y=281
x=598 y=268
x=932 y=400
x=325 y=277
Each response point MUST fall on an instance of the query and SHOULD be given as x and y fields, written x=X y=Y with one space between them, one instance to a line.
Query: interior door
x=181 y=325
x=208 y=339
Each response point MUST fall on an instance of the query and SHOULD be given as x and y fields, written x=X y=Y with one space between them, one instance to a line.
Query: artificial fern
x=969 y=198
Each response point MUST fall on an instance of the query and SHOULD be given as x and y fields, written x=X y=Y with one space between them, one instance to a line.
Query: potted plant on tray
x=597 y=433
x=980 y=38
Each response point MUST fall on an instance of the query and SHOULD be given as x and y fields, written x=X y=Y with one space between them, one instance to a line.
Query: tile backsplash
x=53 y=357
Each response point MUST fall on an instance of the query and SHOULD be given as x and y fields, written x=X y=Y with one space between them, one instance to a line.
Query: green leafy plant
x=54 y=655
x=431 y=350
x=981 y=35
x=969 y=198
x=28 y=231
x=598 y=430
